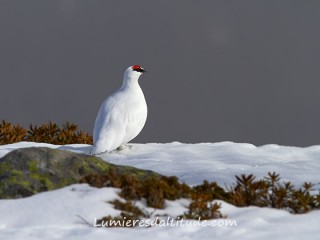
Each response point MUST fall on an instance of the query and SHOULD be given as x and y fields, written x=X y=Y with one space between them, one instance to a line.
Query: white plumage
x=122 y=115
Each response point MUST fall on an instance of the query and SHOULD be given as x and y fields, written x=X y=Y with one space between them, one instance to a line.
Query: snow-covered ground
x=58 y=214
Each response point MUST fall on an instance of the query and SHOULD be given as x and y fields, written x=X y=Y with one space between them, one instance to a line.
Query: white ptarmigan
x=122 y=115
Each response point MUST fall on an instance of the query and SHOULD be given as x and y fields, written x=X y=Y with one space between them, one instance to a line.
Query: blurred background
x=242 y=71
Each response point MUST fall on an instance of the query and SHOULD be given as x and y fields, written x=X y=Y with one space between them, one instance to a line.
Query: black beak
x=142 y=70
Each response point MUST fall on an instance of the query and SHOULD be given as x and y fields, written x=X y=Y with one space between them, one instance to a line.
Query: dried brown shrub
x=10 y=133
x=267 y=192
x=47 y=133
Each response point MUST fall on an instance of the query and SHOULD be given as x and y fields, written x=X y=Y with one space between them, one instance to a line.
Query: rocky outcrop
x=26 y=171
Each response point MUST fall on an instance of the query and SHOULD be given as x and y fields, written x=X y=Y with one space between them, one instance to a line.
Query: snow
x=59 y=214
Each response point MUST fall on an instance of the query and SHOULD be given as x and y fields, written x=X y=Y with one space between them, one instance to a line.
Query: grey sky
x=244 y=71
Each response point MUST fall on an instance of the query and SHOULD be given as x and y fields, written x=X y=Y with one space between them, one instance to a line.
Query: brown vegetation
x=46 y=133
x=267 y=192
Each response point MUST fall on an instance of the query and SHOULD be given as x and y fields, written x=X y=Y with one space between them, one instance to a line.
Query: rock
x=26 y=171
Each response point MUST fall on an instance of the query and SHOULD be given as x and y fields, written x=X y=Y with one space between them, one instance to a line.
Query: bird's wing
x=108 y=128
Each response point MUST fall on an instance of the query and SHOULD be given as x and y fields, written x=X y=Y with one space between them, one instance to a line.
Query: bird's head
x=134 y=71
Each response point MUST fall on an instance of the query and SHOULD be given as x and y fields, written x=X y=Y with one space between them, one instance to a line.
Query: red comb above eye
x=136 y=67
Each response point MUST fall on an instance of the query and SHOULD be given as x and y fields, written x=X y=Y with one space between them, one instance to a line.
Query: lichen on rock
x=26 y=171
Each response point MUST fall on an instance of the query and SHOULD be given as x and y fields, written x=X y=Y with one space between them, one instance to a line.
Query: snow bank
x=55 y=214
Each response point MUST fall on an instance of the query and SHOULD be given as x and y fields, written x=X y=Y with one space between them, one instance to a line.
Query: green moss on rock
x=27 y=171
